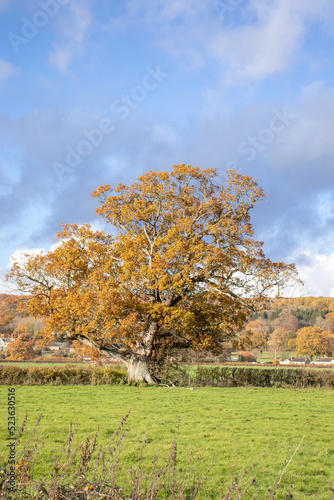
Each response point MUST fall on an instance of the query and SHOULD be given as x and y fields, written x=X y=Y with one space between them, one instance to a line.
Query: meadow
x=237 y=427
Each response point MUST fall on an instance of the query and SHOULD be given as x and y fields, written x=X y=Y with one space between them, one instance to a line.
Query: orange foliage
x=22 y=348
x=259 y=333
x=83 y=351
x=247 y=357
x=21 y=328
x=7 y=309
x=286 y=321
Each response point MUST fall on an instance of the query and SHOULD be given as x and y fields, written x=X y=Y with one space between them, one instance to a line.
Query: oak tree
x=179 y=268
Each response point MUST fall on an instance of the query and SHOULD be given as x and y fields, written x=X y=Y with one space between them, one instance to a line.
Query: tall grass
x=92 y=471
x=88 y=471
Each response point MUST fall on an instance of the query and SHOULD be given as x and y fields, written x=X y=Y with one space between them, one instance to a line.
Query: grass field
x=239 y=426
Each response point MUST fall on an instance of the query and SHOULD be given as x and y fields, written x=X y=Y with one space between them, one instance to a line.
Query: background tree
x=287 y=321
x=22 y=348
x=183 y=269
x=255 y=336
x=328 y=323
x=280 y=338
x=8 y=313
x=313 y=341
x=275 y=339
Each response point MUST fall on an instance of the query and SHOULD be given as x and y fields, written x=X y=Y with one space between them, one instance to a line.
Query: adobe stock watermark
x=30 y=27
x=123 y=106
x=226 y=6
x=256 y=144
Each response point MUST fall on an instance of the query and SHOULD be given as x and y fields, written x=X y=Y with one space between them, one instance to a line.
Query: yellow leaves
x=313 y=340
x=89 y=487
x=101 y=190
x=243 y=341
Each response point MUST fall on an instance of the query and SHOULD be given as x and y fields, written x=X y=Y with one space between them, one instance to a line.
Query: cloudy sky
x=100 y=91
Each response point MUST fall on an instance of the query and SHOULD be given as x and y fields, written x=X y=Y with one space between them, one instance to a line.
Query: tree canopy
x=180 y=268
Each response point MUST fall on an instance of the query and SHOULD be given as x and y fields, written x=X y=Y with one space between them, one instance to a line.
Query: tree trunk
x=138 y=364
x=138 y=370
x=139 y=360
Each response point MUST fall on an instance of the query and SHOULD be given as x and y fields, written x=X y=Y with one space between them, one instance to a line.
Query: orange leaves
x=22 y=348
x=82 y=350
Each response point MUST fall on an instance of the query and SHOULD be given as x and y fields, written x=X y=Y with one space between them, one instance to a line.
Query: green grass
x=268 y=356
x=238 y=426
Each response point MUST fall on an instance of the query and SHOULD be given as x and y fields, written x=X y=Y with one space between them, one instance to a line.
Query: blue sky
x=97 y=92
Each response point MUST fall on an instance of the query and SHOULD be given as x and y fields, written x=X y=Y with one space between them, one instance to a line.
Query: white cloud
x=259 y=50
x=317 y=272
x=4 y=287
x=270 y=44
x=19 y=255
x=266 y=41
x=73 y=30
x=6 y=70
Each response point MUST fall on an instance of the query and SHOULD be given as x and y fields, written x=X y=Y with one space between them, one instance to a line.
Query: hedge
x=65 y=375
x=225 y=376
x=229 y=376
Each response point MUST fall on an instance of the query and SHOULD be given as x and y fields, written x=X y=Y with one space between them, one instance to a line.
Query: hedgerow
x=224 y=376
x=229 y=376
x=60 y=375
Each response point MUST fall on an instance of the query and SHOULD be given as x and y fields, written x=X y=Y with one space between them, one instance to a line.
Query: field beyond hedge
x=238 y=426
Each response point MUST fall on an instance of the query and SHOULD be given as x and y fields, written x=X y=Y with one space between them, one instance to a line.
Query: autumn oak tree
x=181 y=269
